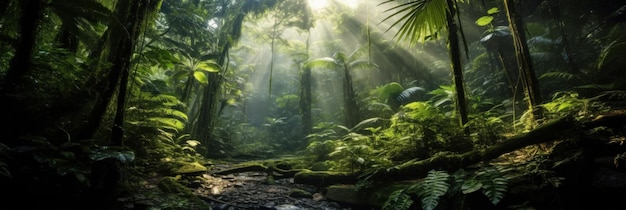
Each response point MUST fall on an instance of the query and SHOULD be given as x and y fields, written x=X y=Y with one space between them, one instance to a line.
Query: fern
x=398 y=200
x=434 y=186
x=493 y=183
x=495 y=189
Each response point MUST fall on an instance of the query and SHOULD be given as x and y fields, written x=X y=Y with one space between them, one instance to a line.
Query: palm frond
x=325 y=62
x=419 y=20
x=362 y=64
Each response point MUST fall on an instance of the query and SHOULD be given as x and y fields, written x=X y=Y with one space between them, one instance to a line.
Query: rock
x=287 y=207
x=190 y=168
x=299 y=193
x=318 y=197
x=345 y=194
x=374 y=197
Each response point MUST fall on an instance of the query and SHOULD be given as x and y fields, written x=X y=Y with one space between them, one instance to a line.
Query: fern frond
x=167 y=123
x=558 y=75
x=495 y=189
x=398 y=201
x=493 y=183
x=170 y=113
x=434 y=186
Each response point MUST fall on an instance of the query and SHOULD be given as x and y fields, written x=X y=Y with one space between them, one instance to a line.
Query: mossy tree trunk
x=122 y=40
x=524 y=61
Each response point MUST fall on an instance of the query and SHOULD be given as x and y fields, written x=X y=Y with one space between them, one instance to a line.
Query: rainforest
x=312 y=104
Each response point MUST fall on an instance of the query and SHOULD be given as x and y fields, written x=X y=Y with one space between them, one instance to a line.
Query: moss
x=324 y=178
x=171 y=185
x=299 y=193
x=190 y=168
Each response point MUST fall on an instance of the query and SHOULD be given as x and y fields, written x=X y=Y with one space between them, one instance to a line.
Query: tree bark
x=457 y=68
x=350 y=102
x=20 y=66
x=524 y=61
x=306 y=100
x=122 y=45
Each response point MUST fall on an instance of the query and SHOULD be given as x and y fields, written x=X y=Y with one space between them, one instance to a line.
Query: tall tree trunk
x=203 y=129
x=306 y=99
x=457 y=69
x=524 y=61
x=350 y=105
x=122 y=44
x=20 y=66
x=272 y=49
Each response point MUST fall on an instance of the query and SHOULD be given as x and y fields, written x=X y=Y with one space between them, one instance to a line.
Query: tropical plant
x=440 y=190
x=426 y=129
x=345 y=63
x=423 y=20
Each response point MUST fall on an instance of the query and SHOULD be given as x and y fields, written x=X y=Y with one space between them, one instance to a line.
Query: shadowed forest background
x=492 y=104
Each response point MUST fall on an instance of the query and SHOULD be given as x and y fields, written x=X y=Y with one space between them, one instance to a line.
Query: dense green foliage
x=93 y=91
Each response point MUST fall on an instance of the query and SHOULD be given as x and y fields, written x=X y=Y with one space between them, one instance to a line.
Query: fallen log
x=451 y=162
x=448 y=161
x=266 y=167
x=252 y=167
x=324 y=178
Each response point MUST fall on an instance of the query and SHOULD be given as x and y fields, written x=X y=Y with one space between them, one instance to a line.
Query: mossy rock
x=190 y=168
x=324 y=178
x=299 y=193
x=376 y=196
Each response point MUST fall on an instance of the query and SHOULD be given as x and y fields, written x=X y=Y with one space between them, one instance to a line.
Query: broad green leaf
x=180 y=75
x=391 y=89
x=493 y=10
x=471 y=186
x=209 y=66
x=326 y=62
x=201 y=77
x=398 y=201
x=484 y=20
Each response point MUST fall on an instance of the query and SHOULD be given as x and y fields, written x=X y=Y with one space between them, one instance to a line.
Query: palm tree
x=345 y=63
x=424 y=20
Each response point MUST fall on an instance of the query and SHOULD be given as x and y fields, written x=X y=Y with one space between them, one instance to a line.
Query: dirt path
x=252 y=190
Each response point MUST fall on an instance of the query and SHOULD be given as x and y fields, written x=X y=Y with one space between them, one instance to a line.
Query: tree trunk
x=121 y=48
x=306 y=99
x=457 y=68
x=350 y=104
x=20 y=66
x=203 y=129
x=524 y=60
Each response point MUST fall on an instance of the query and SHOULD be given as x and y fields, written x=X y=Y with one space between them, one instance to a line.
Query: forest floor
x=237 y=191
x=253 y=190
